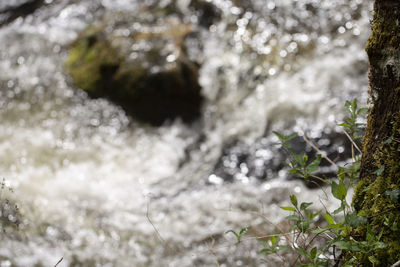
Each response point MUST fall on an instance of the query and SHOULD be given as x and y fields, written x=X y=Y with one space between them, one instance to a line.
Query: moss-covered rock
x=145 y=71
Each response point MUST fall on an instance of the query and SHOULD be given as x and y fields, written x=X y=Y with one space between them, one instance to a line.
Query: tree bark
x=380 y=166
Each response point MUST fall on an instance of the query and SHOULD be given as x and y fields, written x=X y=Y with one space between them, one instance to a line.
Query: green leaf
x=355 y=221
x=283 y=247
x=380 y=170
x=314 y=214
x=313 y=253
x=302 y=252
x=288 y=208
x=379 y=245
x=362 y=111
x=292 y=218
x=313 y=166
x=373 y=260
x=290 y=137
x=299 y=159
x=267 y=251
x=303 y=226
x=339 y=191
x=344 y=245
x=320 y=230
x=244 y=231
x=233 y=232
x=280 y=136
x=344 y=125
x=329 y=218
x=293 y=199
x=274 y=239
x=393 y=194
x=305 y=205
x=340 y=209
x=388 y=141
x=347 y=105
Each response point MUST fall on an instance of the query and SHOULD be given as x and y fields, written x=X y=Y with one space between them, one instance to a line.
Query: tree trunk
x=380 y=167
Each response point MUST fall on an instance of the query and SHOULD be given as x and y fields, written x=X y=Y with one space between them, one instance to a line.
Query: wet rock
x=11 y=10
x=143 y=68
x=207 y=13
x=265 y=160
x=261 y=160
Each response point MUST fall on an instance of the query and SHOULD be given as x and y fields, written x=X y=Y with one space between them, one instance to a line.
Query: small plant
x=241 y=233
x=318 y=245
x=330 y=243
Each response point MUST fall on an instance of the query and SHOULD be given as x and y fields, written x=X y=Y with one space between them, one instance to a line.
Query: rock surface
x=142 y=67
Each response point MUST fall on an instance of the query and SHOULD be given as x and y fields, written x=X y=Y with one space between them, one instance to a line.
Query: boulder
x=145 y=70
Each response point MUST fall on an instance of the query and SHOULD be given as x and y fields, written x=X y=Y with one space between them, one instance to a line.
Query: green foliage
x=240 y=234
x=351 y=124
x=393 y=194
x=335 y=242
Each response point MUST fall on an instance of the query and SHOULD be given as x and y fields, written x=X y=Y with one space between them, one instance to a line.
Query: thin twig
x=210 y=249
x=351 y=140
x=319 y=150
x=59 y=262
x=157 y=232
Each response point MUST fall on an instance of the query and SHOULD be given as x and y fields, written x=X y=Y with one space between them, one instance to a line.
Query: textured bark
x=381 y=148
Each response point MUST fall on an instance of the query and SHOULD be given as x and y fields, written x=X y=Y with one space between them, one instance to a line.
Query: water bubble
x=287 y=67
x=242 y=22
x=283 y=53
x=349 y=25
x=20 y=60
x=23 y=160
x=235 y=10
x=57 y=49
x=292 y=46
x=248 y=15
x=214 y=179
x=341 y=29
x=356 y=31
x=272 y=71
x=267 y=187
x=171 y=58
x=95 y=122
x=323 y=39
x=10 y=83
x=297 y=189
x=271 y=5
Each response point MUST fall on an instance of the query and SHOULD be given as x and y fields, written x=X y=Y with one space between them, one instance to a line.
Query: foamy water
x=99 y=189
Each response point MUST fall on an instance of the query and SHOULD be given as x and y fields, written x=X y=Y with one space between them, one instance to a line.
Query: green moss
x=385 y=29
x=370 y=200
x=89 y=58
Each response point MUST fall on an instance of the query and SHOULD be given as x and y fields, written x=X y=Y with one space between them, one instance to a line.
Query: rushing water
x=99 y=189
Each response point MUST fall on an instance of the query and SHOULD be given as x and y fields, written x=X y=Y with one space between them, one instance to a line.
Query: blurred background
x=99 y=187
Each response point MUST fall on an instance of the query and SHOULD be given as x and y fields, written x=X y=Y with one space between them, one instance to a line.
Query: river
x=97 y=188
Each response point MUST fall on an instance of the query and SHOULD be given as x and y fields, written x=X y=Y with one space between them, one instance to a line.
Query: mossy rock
x=153 y=84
